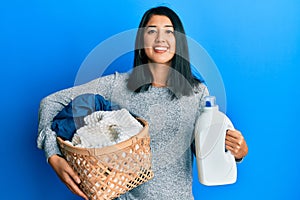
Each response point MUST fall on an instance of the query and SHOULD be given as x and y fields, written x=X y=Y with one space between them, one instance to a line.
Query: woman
x=162 y=90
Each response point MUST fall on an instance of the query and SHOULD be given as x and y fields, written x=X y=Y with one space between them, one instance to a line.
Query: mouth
x=160 y=49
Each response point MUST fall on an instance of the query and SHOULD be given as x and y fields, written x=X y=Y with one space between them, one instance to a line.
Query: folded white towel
x=105 y=128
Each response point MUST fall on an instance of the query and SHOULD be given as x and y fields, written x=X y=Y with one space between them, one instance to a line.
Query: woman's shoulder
x=200 y=88
x=113 y=77
x=117 y=79
x=122 y=75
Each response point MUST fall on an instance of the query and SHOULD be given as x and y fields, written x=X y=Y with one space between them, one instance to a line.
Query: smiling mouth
x=160 y=49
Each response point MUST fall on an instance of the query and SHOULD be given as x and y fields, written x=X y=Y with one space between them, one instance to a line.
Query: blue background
x=255 y=45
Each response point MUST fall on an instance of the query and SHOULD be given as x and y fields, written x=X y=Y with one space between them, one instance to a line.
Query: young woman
x=162 y=90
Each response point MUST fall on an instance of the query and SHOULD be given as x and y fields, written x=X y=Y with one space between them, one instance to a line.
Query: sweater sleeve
x=52 y=104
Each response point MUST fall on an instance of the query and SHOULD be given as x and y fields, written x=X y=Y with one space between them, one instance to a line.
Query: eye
x=151 y=31
x=169 y=31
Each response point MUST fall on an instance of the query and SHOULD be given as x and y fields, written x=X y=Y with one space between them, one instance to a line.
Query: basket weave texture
x=108 y=172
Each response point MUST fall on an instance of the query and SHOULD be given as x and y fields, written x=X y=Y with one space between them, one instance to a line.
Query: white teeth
x=161 y=48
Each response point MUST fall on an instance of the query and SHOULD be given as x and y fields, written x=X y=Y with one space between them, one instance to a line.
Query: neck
x=159 y=73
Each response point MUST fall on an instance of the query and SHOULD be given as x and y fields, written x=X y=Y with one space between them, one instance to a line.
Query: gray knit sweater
x=171 y=125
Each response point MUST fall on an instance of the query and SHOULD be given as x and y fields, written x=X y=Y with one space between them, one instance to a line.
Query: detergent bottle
x=216 y=165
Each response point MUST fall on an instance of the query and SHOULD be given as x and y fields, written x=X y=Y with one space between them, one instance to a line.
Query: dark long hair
x=180 y=80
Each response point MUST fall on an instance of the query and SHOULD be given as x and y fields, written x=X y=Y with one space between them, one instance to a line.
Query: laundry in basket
x=111 y=153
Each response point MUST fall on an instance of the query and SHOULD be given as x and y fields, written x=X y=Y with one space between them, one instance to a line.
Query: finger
x=235 y=136
x=233 y=133
x=73 y=175
x=72 y=181
x=233 y=146
x=230 y=143
x=75 y=189
x=233 y=140
x=231 y=149
x=73 y=186
x=234 y=151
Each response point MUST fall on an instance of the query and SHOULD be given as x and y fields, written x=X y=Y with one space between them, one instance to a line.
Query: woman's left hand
x=236 y=144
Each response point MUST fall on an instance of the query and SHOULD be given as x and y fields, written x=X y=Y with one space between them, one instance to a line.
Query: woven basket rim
x=108 y=149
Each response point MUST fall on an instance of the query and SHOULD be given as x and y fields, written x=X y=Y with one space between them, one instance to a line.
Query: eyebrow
x=154 y=26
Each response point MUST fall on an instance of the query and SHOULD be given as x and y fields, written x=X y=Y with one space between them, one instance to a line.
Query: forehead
x=159 y=20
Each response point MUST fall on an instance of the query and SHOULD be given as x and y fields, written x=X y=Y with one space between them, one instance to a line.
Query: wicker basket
x=108 y=172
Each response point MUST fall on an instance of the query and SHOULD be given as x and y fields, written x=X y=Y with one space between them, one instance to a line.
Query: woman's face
x=159 y=40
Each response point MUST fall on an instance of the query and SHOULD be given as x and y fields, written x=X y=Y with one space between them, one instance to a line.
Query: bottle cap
x=210 y=101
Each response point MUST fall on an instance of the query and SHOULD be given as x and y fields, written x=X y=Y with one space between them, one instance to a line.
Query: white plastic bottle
x=215 y=165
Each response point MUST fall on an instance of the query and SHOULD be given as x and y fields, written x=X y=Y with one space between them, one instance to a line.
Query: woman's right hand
x=66 y=174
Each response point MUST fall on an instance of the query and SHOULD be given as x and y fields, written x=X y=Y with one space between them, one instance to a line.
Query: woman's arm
x=50 y=106
x=54 y=103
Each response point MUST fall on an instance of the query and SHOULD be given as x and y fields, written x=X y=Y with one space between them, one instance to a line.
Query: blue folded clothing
x=71 y=117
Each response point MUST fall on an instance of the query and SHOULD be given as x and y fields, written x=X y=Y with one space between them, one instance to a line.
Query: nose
x=160 y=36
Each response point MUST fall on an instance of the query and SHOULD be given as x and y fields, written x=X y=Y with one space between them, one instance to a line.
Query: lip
x=160 y=49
